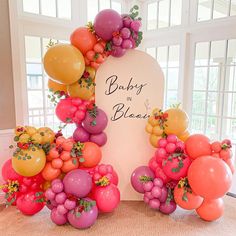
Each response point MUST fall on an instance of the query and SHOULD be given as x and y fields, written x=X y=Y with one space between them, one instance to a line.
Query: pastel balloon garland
x=186 y=170
x=62 y=173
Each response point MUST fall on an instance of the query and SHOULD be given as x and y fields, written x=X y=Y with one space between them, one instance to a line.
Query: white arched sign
x=127 y=89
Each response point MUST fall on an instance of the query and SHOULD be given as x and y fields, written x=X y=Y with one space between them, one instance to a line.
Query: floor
x=131 y=219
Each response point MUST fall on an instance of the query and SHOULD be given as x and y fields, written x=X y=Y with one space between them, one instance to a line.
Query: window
x=215 y=9
x=51 y=8
x=163 y=14
x=168 y=58
x=94 y=6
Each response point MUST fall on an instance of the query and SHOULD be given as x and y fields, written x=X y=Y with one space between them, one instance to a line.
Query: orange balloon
x=209 y=177
x=153 y=139
x=211 y=210
x=192 y=201
x=54 y=86
x=64 y=63
x=49 y=173
x=184 y=136
x=198 y=145
x=83 y=39
x=70 y=164
x=92 y=154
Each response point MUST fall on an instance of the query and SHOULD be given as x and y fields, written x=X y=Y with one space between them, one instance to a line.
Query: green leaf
x=11 y=146
x=77 y=214
x=81 y=159
x=16 y=138
x=74 y=161
x=136 y=7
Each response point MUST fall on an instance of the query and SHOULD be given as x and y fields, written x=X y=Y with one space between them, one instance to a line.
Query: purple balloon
x=80 y=135
x=85 y=220
x=58 y=218
x=78 y=183
x=95 y=125
x=99 y=139
x=164 y=194
x=106 y=23
x=137 y=173
x=168 y=208
x=118 y=51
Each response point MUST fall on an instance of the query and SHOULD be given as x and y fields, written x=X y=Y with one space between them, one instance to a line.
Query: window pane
x=200 y=78
x=202 y=54
x=230 y=104
x=35 y=99
x=231 y=54
x=220 y=9
x=213 y=103
x=104 y=4
x=34 y=69
x=64 y=9
x=199 y=100
x=48 y=7
x=218 y=52
x=176 y=12
x=173 y=78
x=163 y=14
x=172 y=98
x=211 y=128
x=92 y=9
x=233 y=8
x=230 y=78
x=116 y=6
x=197 y=124
x=214 y=78
x=162 y=56
x=173 y=56
x=151 y=52
x=229 y=127
x=34 y=82
x=204 y=10
x=152 y=16
x=31 y=6
x=33 y=49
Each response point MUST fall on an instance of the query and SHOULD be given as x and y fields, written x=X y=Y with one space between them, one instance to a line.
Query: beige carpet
x=131 y=219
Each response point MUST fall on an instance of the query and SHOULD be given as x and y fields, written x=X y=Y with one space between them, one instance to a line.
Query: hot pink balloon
x=106 y=23
x=57 y=218
x=99 y=139
x=8 y=172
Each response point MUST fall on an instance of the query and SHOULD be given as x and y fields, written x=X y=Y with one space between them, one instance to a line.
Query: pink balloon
x=8 y=172
x=57 y=218
x=118 y=51
x=106 y=23
x=107 y=198
x=80 y=135
x=99 y=139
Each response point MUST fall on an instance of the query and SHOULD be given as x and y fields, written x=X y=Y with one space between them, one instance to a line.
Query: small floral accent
x=145 y=178
x=76 y=152
x=104 y=181
x=183 y=183
x=55 y=97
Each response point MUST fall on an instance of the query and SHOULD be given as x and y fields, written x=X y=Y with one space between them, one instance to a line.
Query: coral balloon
x=28 y=204
x=77 y=182
x=64 y=63
x=29 y=162
x=83 y=39
x=177 y=121
x=8 y=173
x=54 y=86
x=92 y=154
x=197 y=145
x=106 y=23
x=49 y=173
x=187 y=199
x=107 y=198
x=211 y=210
x=209 y=177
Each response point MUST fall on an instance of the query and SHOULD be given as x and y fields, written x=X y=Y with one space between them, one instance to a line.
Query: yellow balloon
x=81 y=90
x=184 y=136
x=177 y=121
x=152 y=121
x=64 y=63
x=29 y=162
x=157 y=130
x=91 y=71
x=24 y=138
x=148 y=128
x=154 y=140
x=47 y=134
x=30 y=130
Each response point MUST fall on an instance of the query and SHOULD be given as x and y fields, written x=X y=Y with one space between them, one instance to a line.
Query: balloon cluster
x=191 y=173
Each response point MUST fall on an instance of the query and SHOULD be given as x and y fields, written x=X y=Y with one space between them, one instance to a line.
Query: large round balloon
x=83 y=39
x=27 y=203
x=64 y=63
x=197 y=145
x=177 y=121
x=209 y=177
x=211 y=210
x=29 y=162
x=106 y=23
x=77 y=182
x=8 y=173
x=138 y=174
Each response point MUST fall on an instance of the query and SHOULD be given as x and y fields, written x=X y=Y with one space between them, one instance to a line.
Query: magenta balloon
x=57 y=218
x=77 y=182
x=80 y=135
x=118 y=51
x=85 y=220
x=164 y=194
x=99 y=139
x=107 y=198
x=168 y=207
x=95 y=125
x=106 y=23
x=137 y=173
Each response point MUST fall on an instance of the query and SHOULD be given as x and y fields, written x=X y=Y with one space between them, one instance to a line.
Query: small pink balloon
x=99 y=139
x=118 y=51
x=58 y=218
x=80 y=135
